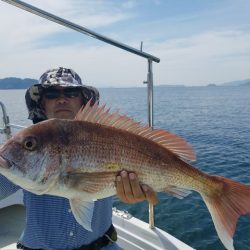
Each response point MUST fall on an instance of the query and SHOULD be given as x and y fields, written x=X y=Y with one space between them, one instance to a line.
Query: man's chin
x=64 y=114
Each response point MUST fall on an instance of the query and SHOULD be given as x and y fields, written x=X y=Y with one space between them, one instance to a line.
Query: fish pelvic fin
x=226 y=207
x=83 y=212
x=177 y=192
x=103 y=116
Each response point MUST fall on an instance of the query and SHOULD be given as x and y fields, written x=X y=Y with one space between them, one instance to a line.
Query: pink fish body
x=79 y=159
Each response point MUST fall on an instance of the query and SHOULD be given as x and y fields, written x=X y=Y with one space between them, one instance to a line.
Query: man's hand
x=129 y=190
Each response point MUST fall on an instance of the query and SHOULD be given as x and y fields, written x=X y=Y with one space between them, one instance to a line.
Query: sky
x=198 y=42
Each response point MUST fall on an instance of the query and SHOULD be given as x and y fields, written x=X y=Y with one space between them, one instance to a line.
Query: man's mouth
x=62 y=110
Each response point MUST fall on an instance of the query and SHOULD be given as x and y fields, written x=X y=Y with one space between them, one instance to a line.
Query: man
x=50 y=223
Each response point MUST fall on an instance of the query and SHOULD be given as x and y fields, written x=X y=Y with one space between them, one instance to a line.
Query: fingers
x=120 y=190
x=137 y=193
x=129 y=189
x=126 y=188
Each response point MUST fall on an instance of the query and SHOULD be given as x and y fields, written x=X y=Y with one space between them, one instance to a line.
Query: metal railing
x=6 y=129
x=150 y=58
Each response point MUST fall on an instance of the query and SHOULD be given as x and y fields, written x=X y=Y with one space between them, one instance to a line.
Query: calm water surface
x=214 y=120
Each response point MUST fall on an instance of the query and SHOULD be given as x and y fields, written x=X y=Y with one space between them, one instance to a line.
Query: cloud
x=22 y=28
x=196 y=58
x=98 y=65
x=204 y=58
x=130 y=4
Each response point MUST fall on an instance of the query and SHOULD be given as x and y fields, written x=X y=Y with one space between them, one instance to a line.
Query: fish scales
x=109 y=149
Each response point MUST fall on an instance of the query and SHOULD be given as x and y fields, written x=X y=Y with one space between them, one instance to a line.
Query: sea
x=214 y=120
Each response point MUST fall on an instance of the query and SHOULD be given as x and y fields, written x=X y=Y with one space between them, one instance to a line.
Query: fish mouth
x=4 y=163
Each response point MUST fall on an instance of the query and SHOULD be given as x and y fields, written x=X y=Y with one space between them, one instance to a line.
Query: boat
x=133 y=234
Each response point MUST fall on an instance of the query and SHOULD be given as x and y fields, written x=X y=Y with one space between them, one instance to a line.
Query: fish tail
x=226 y=205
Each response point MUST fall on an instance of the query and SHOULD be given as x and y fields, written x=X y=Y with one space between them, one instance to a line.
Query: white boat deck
x=12 y=223
x=133 y=234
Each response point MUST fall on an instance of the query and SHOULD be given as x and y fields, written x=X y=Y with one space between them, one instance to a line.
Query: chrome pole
x=39 y=12
x=150 y=93
x=151 y=124
x=6 y=128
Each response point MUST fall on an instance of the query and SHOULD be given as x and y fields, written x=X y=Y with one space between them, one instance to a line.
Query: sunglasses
x=67 y=92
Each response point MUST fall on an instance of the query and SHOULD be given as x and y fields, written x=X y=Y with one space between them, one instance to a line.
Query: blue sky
x=199 y=42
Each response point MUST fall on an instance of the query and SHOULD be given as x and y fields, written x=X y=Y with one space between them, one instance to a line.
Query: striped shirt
x=51 y=225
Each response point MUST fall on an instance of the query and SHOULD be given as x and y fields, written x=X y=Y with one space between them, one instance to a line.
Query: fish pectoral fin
x=83 y=212
x=177 y=192
x=89 y=182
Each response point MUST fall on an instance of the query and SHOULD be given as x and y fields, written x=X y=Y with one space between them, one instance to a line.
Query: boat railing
x=6 y=127
x=150 y=58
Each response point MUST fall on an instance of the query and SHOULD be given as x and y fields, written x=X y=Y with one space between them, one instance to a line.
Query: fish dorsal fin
x=102 y=115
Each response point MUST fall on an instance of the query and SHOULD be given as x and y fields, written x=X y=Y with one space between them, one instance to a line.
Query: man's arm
x=6 y=187
x=129 y=190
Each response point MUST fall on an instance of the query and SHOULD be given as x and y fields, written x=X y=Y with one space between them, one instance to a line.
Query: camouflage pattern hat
x=62 y=77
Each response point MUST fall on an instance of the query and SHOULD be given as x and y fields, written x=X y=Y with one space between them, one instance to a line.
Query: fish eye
x=30 y=143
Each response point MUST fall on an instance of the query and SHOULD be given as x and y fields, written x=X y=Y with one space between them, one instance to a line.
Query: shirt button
x=69 y=210
x=71 y=234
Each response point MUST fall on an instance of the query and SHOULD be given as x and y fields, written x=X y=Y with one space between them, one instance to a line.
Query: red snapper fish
x=79 y=159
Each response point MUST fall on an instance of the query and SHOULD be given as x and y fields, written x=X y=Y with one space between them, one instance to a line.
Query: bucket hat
x=62 y=77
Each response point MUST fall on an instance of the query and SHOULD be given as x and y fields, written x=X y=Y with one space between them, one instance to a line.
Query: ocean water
x=214 y=120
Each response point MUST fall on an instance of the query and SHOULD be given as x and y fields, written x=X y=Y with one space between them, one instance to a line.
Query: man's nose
x=61 y=98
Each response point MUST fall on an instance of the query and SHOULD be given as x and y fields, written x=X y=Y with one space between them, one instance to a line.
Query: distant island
x=225 y=84
x=237 y=83
x=233 y=83
x=18 y=83
x=211 y=85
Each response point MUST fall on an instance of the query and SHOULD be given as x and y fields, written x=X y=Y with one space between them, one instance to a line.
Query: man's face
x=62 y=103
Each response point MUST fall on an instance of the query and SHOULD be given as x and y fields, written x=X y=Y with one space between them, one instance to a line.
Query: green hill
x=245 y=82
x=16 y=83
